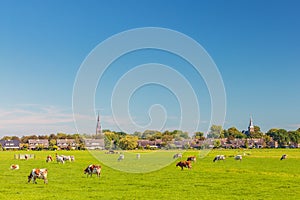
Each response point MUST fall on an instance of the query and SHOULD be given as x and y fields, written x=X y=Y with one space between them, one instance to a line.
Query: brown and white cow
x=14 y=167
x=191 y=158
x=38 y=173
x=183 y=164
x=93 y=169
x=49 y=158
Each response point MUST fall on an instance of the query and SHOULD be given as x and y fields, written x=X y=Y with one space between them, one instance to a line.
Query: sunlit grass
x=260 y=175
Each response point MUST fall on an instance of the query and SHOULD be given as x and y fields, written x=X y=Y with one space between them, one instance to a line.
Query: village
x=153 y=140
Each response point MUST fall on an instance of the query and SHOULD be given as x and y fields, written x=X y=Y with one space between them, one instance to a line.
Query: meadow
x=260 y=175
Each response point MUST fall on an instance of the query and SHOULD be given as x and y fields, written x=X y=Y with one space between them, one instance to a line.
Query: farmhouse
x=10 y=144
x=150 y=143
x=92 y=144
x=66 y=143
x=38 y=143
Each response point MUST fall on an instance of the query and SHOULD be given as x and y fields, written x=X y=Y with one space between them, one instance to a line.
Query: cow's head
x=37 y=171
x=87 y=170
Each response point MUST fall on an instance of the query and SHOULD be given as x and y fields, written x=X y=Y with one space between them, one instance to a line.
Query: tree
x=199 y=136
x=294 y=136
x=246 y=144
x=61 y=136
x=233 y=133
x=128 y=142
x=217 y=144
x=6 y=138
x=138 y=134
x=257 y=133
x=215 y=131
x=110 y=140
x=167 y=138
x=279 y=135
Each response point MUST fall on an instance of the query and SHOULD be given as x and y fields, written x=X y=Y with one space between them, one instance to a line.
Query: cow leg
x=29 y=178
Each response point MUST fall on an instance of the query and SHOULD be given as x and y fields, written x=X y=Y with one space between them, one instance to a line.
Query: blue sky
x=255 y=45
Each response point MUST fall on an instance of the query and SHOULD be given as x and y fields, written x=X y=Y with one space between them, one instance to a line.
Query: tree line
x=113 y=139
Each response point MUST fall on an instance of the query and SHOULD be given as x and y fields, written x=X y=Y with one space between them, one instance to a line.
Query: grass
x=261 y=175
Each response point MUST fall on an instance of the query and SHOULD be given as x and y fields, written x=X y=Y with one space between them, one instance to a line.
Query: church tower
x=98 y=127
x=251 y=126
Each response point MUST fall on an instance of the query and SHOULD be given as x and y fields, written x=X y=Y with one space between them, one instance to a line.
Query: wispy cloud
x=35 y=118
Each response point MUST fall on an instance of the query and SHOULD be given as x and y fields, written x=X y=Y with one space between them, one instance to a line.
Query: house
x=66 y=143
x=10 y=144
x=38 y=143
x=256 y=143
x=182 y=144
x=150 y=143
x=294 y=145
x=92 y=144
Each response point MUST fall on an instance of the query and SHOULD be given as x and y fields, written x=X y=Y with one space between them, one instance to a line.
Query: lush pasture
x=261 y=175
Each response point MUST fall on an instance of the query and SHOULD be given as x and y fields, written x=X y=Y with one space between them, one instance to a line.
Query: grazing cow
x=219 y=157
x=238 y=157
x=191 y=158
x=38 y=173
x=66 y=158
x=59 y=159
x=177 y=155
x=93 y=169
x=14 y=167
x=138 y=156
x=49 y=158
x=186 y=164
x=283 y=157
x=121 y=157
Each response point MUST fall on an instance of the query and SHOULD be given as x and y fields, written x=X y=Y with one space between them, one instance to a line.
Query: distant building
x=66 y=143
x=37 y=143
x=10 y=144
x=149 y=143
x=251 y=126
x=92 y=144
x=98 y=127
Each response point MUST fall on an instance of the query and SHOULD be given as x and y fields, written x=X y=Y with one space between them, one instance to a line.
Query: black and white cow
x=60 y=159
x=219 y=157
x=121 y=157
x=238 y=157
x=177 y=155
x=283 y=157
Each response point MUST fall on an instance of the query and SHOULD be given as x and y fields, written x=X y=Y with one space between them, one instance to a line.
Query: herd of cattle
x=42 y=173
x=38 y=173
x=188 y=164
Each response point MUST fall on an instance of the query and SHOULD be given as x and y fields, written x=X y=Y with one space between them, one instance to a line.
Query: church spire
x=251 y=126
x=98 y=127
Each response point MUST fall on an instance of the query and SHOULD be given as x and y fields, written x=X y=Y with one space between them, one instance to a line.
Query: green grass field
x=261 y=175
